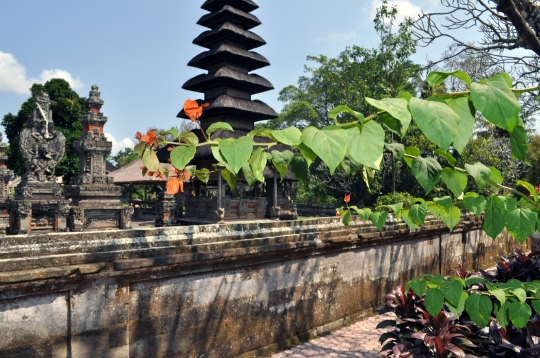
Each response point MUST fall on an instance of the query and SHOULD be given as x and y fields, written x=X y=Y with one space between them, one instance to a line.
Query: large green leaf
x=519 y=313
x=521 y=223
x=289 y=136
x=475 y=203
x=248 y=174
x=457 y=310
x=495 y=216
x=330 y=144
x=219 y=126
x=451 y=218
x=418 y=286
x=406 y=216
x=307 y=153
x=181 y=156
x=366 y=144
x=397 y=150
x=434 y=301
x=378 y=219
x=418 y=213
x=299 y=168
x=465 y=110
x=188 y=138
x=501 y=313
x=230 y=178
x=258 y=162
x=436 y=120
x=339 y=109
x=444 y=202
x=395 y=107
x=518 y=140
x=437 y=77
x=496 y=175
x=281 y=161
x=480 y=173
x=150 y=160
x=449 y=157
x=496 y=102
x=236 y=151
x=451 y=291
x=454 y=180
x=427 y=172
x=479 y=308
x=350 y=166
x=529 y=187
x=411 y=151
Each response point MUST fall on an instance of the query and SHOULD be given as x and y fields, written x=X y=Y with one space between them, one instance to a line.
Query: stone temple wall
x=318 y=210
x=215 y=290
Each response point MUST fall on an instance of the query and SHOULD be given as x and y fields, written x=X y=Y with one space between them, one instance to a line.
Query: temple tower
x=96 y=200
x=229 y=85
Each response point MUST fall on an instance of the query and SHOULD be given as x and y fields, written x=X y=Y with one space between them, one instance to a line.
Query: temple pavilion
x=228 y=86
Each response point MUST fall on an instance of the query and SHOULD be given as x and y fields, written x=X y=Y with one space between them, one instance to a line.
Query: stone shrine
x=5 y=177
x=38 y=206
x=96 y=201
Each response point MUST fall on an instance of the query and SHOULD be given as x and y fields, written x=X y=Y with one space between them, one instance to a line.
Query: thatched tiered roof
x=228 y=85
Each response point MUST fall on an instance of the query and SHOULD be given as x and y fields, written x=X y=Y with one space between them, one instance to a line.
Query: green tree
x=67 y=109
x=124 y=157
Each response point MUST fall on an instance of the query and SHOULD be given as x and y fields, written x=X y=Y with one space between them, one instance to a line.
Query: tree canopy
x=67 y=109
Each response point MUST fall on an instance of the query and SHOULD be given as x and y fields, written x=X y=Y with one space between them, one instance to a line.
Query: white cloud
x=118 y=145
x=13 y=77
x=337 y=37
x=405 y=8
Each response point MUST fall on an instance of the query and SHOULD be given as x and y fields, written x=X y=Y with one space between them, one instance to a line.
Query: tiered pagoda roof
x=229 y=85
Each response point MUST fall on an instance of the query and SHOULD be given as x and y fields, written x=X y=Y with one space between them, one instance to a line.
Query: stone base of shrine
x=37 y=216
x=100 y=215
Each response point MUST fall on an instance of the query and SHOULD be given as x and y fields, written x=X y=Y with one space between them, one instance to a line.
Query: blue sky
x=137 y=50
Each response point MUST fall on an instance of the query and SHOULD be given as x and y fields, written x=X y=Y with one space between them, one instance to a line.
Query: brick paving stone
x=359 y=340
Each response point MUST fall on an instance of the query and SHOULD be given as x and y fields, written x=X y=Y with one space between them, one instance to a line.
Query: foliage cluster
x=443 y=316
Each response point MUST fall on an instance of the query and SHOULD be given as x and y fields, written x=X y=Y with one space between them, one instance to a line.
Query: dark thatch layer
x=229 y=31
x=229 y=14
x=244 y=5
x=205 y=152
x=249 y=59
x=224 y=105
x=226 y=76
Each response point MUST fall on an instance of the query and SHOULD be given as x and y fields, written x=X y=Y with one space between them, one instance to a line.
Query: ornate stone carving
x=64 y=209
x=243 y=208
x=23 y=209
x=41 y=145
x=261 y=207
x=92 y=190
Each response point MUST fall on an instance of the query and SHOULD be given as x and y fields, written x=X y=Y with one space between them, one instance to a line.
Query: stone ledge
x=52 y=272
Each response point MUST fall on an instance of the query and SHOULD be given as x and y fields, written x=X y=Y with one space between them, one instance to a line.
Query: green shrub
x=390 y=199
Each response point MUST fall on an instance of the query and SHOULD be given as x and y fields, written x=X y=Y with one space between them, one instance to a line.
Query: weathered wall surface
x=212 y=291
x=320 y=210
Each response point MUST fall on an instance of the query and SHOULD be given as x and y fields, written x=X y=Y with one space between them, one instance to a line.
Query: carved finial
x=94 y=100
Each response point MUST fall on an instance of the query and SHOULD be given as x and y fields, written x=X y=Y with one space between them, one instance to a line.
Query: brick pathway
x=359 y=340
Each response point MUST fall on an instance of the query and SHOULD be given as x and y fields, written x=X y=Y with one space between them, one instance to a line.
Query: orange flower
x=347 y=198
x=150 y=138
x=337 y=213
x=138 y=135
x=170 y=149
x=150 y=174
x=193 y=110
x=143 y=167
x=159 y=175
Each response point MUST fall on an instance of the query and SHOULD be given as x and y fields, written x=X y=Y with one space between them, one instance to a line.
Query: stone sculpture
x=41 y=146
x=38 y=206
